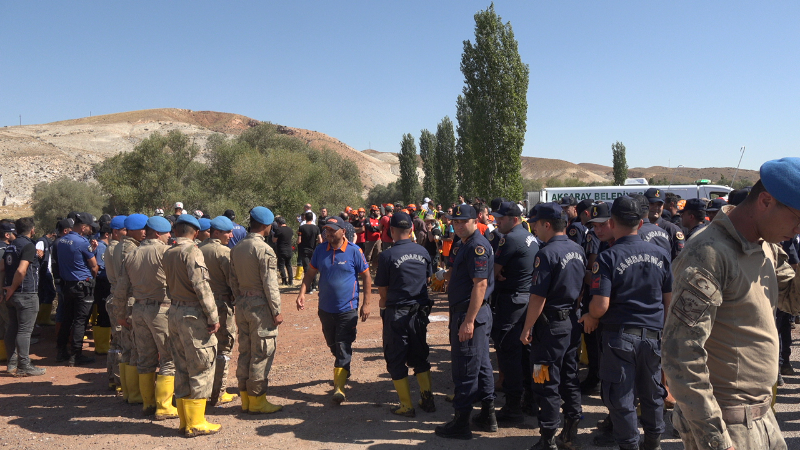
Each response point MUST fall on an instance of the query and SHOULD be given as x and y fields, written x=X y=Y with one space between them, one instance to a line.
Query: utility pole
x=737 y=166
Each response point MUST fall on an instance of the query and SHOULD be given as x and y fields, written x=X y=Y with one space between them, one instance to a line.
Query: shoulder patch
x=536 y=262
x=679 y=235
x=455 y=250
x=573 y=231
x=595 y=267
x=588 y=237
x=480 y=250
x=502 y=241
x=690 y=308
x=491 y=237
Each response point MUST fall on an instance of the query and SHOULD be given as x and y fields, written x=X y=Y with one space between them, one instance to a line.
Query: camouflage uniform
x=218 y=261
x=720 y=344
x=142 y=277
x=115 y=351
x=193 y=310
x=254 y=269
x=123 y=306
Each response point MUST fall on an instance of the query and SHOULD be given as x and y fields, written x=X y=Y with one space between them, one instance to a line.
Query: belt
x=644 y=333
x=463 y=307
x=555 y=315
x=739 y=414
x=184 y=303
x=152 y=301
x=253 y=294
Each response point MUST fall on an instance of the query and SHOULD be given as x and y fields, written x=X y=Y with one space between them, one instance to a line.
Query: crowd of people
x=704 y=287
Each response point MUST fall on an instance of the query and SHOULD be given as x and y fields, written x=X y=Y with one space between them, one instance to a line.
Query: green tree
x=156 y=173
x=57 y=198
x=387 y=193
x=742 y=183
x=445 y=169
x=495 y=106
x=467 y=162
x=620 y=163
x=430 y=159
x=723 y=181
x=408 y=168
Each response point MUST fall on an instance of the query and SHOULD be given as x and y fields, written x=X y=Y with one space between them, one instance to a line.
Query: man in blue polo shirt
x=78 y=267
x=338 y=263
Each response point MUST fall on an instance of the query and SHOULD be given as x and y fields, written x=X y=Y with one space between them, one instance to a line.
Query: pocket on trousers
x=615 y=351
x=199 y=333
x=560 y=327
x=267 y=332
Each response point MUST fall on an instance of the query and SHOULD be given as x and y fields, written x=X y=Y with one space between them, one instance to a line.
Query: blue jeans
x=630 y=368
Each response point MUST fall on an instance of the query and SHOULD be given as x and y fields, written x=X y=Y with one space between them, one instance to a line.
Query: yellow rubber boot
x=3 y=354
x=123 y=377
x=132 y=381
x=165 y=390
x=44 y=316
x=196 y=424
x=260 y=405
x=181 y=415
x=425 y=392
x=245 y=401
x=299 y=274
x=225 y=397
x=147 y=387
x=102 y=340
x=93 y=317
x=404 y=392
x=339 y=380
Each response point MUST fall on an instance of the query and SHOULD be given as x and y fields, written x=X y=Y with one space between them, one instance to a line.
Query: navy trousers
x=405 y=344
x=472 y=369
x=512 y=356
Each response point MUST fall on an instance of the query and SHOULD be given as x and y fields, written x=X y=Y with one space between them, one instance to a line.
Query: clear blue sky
x=677 y=82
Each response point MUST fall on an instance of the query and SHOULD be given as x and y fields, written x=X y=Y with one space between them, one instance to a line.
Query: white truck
x=609 y=193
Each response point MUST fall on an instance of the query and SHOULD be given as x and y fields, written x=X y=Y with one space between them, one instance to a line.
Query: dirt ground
x=72 y=408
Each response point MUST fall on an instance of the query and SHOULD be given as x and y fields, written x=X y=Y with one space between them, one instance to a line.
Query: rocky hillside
x=35 y=153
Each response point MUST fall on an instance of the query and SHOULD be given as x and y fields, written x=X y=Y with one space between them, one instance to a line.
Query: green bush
x=57 y=198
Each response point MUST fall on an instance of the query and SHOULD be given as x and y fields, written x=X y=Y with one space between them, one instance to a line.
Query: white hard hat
x=178 y=205
x=160 y=212
x=198 y=214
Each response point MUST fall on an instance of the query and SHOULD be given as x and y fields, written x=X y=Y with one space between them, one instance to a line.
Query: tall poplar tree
x=408 y=168
x=446 y=167
x=620 y=163
x=428 y=153
x=495 y=108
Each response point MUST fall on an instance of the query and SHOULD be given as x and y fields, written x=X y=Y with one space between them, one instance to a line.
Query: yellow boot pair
x=194 y=413
x=298 y=275
x=165 y=390
x=406 y=409
x=132 y=381
x=260 y=405
x=44 y=316
x=339 y=379
x=102 y=340
x=245 y=401
x=147 y=387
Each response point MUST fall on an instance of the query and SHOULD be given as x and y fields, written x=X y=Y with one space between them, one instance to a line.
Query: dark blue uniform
x=654 y=234
x=694 y=230
x=102 y=288
x=593 y=246
x=634 y=274
x=784 y=320
x=73 y=252
x=404 y=270
x=471 y=365
x=676 y=237
x=576 y=232
x=558 y=274
x=515 y=252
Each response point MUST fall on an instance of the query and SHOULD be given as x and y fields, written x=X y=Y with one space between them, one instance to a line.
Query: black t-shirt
x=432 y=246
x=309 y=235
x=284 y=236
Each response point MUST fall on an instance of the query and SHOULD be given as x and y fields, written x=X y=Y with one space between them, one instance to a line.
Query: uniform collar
x=403 y=241
x=343 y=248
x=212 y=241
x=152 y=242
x=256 y=236
x=558 y=237
x=183 y=240
x=631 y=238
x=132 y=240
x=723 y=221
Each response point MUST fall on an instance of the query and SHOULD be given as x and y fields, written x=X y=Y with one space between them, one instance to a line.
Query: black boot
x=651 y=442
x=569 y=434
x=590 y=385
x=529 y=405
x=458 y=428
x=547 y=441
x=486 y=420
x=511 y=412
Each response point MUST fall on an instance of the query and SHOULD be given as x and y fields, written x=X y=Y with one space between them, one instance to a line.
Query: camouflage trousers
x=151 y=330
x=127 y=344
x=193 y=349
x=226 y=336
x=763 y=433
x=114 y=350
x=257 y=343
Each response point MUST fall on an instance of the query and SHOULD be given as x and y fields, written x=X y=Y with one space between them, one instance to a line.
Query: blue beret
x=262 y=215
x=781 y=178
x=550 y=210
x=188 y=218
x=118 y=222
x=159 y=224
x=135 y=222
x=221 y=223
x=204 y=223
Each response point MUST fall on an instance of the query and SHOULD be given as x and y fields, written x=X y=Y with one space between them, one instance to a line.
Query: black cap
x=507 y=209
x=694 y=204
x=229 y=214
x=583 y=205
x=463 y=212
x=627 y=208
x=654 y=195
x=104 y=219
x=334 y=222
x=63 y=224
x=567 y=200
x=716 y=204
x=644 y=204
x=7 y=227
x=495 y=203
x=737 y=196
x=550 y=210
x=600 y=212
x=401 y=220
x=83 y=217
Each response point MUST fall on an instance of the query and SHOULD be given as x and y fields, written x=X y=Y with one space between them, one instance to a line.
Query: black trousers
x=285 y=265
x=405 y=343
x=305 y=261
x=78 y=301
x=339 y=330
x=102 y=289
